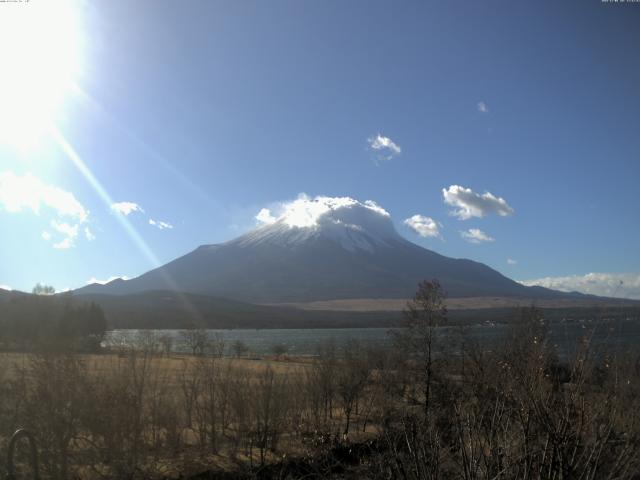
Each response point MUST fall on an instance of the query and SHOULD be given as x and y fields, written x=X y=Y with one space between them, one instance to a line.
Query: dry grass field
x=513 y=412
x=158 y=416
x=463 y=303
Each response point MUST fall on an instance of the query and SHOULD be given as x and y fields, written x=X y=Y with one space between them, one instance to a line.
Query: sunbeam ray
x=102 y=193
x=145 y=148
x=137 y=239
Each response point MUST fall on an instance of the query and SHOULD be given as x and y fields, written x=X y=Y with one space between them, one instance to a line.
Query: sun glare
x=40 y=55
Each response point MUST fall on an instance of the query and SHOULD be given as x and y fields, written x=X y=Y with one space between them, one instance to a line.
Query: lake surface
x=619 y=334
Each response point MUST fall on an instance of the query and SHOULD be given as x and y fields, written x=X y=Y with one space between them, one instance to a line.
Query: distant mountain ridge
x=348 y=250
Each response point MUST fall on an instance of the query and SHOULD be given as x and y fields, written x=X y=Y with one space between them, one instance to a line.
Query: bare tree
x=166 y=343
x=352 y=375
x=269 y=410
x=422 y=316
x=240 y=348
x=40 y=289
x=54 y=405
x=217 y=345
x=195 y=339
x=279 y=350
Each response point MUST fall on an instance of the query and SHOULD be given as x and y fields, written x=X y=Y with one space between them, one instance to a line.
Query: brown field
x=137 y=413
x=175 y=400
x=171 y=365
x=466 y=303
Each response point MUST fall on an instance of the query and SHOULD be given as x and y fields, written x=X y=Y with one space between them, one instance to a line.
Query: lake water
x=620 y=334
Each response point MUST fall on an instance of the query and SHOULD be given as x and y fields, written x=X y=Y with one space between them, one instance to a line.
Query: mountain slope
x=335 y=249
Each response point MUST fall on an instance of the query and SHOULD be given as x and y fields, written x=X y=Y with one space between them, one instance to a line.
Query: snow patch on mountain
x=353 y=224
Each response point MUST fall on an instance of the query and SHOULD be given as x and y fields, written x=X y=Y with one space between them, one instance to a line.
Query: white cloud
x=29 y=192
x=483 y=107
x=475 y=235
x=384 y=146
x=126 y=208
x=68 y=231
x=511 y=261
x=470 y=204
x=161 y=225
x=619 y=285
x=89 y=234
x=65 y=229
x=308 y=212
x=423 y=226
x=110 y=279
x=371 y=205
x=265 y=217
x=64 y=244
x=5 y=287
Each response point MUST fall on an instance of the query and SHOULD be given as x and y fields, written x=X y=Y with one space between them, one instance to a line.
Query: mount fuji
x=319 y=249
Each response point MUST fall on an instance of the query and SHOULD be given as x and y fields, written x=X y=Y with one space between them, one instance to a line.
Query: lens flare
x=40 y=48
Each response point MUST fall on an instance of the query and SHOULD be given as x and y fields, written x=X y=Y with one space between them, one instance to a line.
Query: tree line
x=45 y=319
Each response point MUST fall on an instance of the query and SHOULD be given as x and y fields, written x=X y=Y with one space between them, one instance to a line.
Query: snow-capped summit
x=354 y=225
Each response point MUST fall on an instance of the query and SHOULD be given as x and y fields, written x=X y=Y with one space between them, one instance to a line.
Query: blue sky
x=204 y=112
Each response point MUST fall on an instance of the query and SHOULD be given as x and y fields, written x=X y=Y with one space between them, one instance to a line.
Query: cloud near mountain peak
x=306 y=212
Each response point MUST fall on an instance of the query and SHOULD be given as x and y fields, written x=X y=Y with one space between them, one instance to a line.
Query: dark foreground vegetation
x=516 y=412
x=41 y=320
